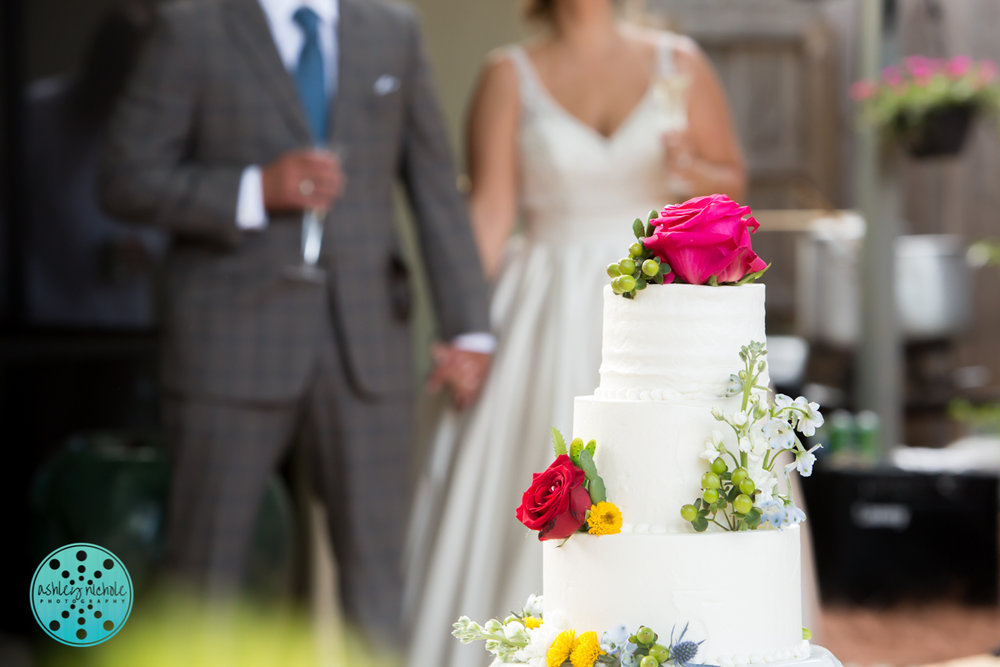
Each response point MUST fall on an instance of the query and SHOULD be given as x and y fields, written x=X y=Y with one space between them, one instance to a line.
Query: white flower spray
x=738 y=491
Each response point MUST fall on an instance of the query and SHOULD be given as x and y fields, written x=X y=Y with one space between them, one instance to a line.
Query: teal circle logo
x=81 y=594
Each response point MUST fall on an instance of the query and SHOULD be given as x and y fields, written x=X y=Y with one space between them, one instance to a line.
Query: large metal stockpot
x=933 y=283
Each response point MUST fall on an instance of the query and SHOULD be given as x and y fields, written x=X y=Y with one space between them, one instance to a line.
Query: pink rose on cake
x=706 y=240
x=556 y=503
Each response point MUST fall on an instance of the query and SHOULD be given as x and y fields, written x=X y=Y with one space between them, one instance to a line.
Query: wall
x=960 y=195
x=458 y=35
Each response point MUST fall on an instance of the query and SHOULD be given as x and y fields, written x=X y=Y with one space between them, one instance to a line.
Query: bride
x=575 y=133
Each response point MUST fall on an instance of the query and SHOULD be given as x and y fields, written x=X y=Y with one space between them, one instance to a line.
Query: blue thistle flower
x=683 y=652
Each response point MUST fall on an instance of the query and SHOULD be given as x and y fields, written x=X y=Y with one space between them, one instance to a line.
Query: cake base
x=818 y=657
x=739 y=591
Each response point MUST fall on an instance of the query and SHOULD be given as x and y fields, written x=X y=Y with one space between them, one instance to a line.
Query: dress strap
x=526 y=79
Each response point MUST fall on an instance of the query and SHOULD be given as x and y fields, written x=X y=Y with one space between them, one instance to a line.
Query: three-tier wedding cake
x=670 y=536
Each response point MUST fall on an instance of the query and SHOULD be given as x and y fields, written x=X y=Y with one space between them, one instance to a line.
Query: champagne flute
x=311 y=240
x=312 y=235
x=670 y=94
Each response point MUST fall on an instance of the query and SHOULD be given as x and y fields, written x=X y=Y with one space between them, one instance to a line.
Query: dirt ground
x=913 y=635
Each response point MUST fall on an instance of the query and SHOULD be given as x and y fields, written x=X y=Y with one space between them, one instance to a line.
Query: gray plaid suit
x=252 y=359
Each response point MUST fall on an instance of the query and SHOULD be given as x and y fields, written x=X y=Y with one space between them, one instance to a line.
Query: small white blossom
x=779 y=434
x=466 y=630
x=781 y=401
x=539 y=641
x=810 y=419
x=735 y=385
x=765 y=486
x=779 y=514
x=804 y=461
x=772 y=512
x=755 y=468
x=615 y=643
x=794 y=515
x=533 y=607
x=713 y=447
x=515 y=631
x=613 y=640
x=740 y=418
x=758 y=440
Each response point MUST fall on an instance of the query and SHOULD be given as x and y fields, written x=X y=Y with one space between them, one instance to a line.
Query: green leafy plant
x=583 y=457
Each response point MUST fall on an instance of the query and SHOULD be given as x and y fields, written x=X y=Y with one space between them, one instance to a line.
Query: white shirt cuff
x=478 y=341
x=250 y=213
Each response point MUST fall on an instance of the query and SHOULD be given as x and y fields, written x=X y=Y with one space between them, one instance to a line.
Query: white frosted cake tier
x=677 y=341
x=648 y=453
x=740 y=591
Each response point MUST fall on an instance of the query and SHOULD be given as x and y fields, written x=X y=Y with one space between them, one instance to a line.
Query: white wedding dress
x=579 y=193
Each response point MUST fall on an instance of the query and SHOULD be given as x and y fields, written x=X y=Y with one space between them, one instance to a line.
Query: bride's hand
x=461 y=371
x=680 y=159
x=679 y=153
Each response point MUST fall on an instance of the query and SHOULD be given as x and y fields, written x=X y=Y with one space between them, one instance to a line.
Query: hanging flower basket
x=940 y=133
x=928 y=105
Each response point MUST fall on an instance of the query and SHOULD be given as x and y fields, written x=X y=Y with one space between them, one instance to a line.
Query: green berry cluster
x=649 y=653
x=633 y=273
x=729 y=492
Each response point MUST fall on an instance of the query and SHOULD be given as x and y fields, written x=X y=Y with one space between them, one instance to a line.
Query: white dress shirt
x=288 y=38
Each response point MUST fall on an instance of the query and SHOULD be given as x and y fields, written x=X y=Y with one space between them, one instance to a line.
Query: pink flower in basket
x=904 y=95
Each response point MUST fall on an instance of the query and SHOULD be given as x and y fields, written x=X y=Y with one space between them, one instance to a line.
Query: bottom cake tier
x=738 y=592
x=817 y=657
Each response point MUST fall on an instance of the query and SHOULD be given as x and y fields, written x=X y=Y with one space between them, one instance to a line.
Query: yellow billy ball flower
x=586 y=650
x=531 y=622
x=605 y=519
x=560 y=649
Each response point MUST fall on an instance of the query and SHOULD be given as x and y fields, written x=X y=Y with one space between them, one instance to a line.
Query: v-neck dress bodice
x=572 y=178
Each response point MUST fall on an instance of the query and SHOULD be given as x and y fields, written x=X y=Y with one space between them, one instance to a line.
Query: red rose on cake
x=705 y=238
x=556 y=503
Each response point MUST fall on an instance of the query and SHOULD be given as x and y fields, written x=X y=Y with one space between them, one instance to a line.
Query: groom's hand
x=308 y=178
x=461 y=371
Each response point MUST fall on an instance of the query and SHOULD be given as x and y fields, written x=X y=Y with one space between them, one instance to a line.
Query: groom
x=269 y=340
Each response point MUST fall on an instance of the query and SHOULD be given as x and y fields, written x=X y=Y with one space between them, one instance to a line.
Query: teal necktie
x=309 y=79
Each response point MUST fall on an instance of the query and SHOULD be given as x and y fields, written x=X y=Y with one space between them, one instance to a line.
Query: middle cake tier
x=649 y=454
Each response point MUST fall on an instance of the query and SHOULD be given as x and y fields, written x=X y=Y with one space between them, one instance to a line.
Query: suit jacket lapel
x=350 y=47
x=252 y=38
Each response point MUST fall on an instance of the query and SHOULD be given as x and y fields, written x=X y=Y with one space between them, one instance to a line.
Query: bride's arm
x=491 y=144
x=708 y=156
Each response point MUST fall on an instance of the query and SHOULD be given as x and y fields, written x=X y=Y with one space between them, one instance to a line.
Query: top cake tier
x=677 y=341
